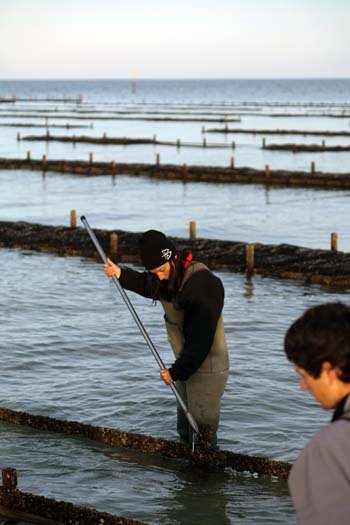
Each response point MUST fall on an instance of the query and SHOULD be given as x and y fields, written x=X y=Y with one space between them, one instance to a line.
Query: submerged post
x=73 y=219
x=157 y=159
x=249 y=249
x=9 y=479
x=313 y=166
x=193 y=230
x=232 y=163
x=91 y=157
x=267 y=170
x=184 y=171
x=334 y=242
x=114 y=245
x=28 y=155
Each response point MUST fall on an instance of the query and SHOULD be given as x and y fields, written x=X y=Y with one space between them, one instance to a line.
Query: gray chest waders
x=202 y=392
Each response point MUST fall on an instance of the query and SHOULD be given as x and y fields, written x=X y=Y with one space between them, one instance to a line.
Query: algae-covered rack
x=38 y=510
x=229 y=174
x=204 y=456
x=284 y=261
x=122 y=141
x=316 y=133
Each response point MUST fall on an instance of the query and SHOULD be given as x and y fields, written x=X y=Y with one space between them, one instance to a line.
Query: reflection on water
x=267 y=195
x=249 y=288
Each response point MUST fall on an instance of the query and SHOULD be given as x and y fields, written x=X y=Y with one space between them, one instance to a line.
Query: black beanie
x=155 y=249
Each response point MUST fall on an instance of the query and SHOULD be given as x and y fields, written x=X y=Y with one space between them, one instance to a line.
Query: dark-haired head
x=157 y=251
x=321 y=334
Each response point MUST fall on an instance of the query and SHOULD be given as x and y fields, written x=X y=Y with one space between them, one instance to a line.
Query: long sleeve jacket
x=319 y=481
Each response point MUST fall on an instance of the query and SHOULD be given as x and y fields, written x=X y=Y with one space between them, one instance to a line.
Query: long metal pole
x=133 y=312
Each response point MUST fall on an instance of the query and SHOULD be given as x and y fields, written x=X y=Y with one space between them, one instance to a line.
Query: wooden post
x=192 y=230
x=46 y=122
x=323 y=143
x=313 y=166
x=185 y=171
x=249 y=251
x=91 y=157
x=267 y=170
x=334 y=242
x=113 y=242
x=157 y=159
x=9 y=479
x=18 y=137
x=73 y=219
x=232 y=163
x=113 y=166
x=263 y=143
x=44 y=161
x=28 y=155
x=154 y=138
x=104 y=136
x=203 y=129
x=233 y=144
x=47 y=133
x=204 y=143
x=178 y=143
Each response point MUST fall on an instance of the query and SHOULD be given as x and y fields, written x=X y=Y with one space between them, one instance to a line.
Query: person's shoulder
x=329 y=446
x=200 y=272
x=327 y=436
x=332 y=440
x=202 y=280
x=319 y=480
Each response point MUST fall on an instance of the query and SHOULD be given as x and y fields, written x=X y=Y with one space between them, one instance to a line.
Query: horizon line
x=135 y=79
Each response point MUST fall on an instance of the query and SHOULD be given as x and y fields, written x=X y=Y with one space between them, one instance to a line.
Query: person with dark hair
x=318 y=343
x=192 y=299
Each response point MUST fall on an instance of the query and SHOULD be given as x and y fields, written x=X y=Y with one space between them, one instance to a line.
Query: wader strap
x=342 y=410
x=345 y=416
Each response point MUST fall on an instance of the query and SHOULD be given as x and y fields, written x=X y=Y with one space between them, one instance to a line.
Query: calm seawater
x=69 y=348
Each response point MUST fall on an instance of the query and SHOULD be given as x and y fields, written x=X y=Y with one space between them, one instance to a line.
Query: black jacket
x=201 y=299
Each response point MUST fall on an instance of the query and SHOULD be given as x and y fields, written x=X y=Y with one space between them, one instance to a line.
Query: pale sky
x=174 y=39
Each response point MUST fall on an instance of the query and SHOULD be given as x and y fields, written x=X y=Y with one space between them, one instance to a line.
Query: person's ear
x=331 y=371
